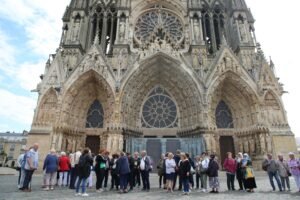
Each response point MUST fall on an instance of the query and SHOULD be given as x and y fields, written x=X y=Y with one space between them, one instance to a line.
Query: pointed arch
x=223 y=116
x=274 y=111
x=46 y=111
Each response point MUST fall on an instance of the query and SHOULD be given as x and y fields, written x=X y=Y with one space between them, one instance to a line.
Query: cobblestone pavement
x=8 y=190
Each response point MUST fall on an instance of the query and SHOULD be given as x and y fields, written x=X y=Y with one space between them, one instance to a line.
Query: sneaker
x=85 y=195
x=46 y=189
x=78 y=194
x=100 y=190
x=51 y=188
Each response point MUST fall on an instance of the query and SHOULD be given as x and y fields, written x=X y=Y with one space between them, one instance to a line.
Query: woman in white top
x=170 y=171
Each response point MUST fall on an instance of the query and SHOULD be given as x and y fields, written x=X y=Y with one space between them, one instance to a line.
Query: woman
x=161 y=169
x=123 y=171
x=230 y=168
x=64 y=168
x=213 y=174
x=50 y=167
x=170 y=171
x=115 y=181
x=240 y=171
x=184 y=172
x=191 y=177
x=249 y=178
x=198 y=171
x=84 y=171
x=100 y=169
x=294 y=166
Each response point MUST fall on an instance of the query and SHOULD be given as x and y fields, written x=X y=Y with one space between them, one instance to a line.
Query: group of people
x=76 y=171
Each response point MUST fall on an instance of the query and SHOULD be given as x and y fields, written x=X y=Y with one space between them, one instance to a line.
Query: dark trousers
x=274 y=175
x=191 y=180
x=230 y=181
x=185 y=182
x=175 y=180
x=106 y=178
x=123 y=181
x=145 y=178
x=100 y=173
x=241 y=183
x=131 y=180
x=28 y=177
x=137 y=177
x=73 y=176
x=198 y=181
x=115 y=181
x=19 y=179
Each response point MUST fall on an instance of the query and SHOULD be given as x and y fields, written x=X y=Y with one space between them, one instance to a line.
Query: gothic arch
x=78 y=98
x=46 y=112
x=238 y=95
x=163 y=70
x=274 y=112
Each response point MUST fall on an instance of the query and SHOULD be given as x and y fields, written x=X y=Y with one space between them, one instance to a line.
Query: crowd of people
x=126 y=171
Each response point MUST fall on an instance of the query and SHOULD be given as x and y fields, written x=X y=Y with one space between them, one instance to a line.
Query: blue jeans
x=123 y=181
x=186 y=185
x=274 y=175
x=83 y=185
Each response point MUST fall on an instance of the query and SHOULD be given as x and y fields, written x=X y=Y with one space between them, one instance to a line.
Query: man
x=145 y=168
x=272 y=167
x=74 y=159
x=21 y=165
x=32 y=160
x=177 y=160
x=136 y=170
x=203 y=171
x=284 y=173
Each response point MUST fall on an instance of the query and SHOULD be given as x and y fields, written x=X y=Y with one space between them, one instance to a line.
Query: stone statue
x=122 y=29
x=196 y=30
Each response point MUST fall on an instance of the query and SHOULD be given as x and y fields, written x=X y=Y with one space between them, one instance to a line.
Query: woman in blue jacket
x=51 y=167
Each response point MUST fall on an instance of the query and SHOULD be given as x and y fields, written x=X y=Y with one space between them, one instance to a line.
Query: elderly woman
x=240 y=171
x=294 y=166
x=64 y=167
x=213 y=168
x=50 y=167
x=170 y=171
x=249 y=178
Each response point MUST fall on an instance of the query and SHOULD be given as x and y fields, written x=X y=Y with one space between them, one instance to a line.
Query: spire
x=96 y=40
x=272 y=65
x=224 y=41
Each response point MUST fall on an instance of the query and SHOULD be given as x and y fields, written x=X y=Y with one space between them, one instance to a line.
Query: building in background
x=11 y=144
x=161 y=75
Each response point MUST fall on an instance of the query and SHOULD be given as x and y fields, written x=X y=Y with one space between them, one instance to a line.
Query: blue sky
x=30 y=30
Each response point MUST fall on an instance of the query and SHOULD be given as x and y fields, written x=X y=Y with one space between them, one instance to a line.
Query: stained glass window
x=95 y=116
x=223 y=116
x=159 y=110
x=161 y=23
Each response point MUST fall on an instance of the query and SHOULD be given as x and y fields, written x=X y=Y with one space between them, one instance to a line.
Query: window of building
x=223 y=116
x=159 y=110
x=95 y=116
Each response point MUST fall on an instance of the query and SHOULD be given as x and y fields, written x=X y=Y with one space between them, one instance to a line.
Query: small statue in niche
x=242 y=29
x=196 y=29
x=122 y=28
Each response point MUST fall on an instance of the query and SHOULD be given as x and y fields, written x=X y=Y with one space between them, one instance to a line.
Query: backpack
x=81 y=162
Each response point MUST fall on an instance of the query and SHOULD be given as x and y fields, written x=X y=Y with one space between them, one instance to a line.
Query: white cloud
x=18 y=109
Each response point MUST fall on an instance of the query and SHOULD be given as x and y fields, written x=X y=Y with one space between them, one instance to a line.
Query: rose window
x=159 y=23
x=159 y=110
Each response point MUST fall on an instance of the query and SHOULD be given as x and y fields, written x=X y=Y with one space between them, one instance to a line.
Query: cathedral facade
x=160 y=75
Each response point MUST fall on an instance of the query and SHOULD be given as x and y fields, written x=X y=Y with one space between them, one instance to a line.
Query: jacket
x=123 y=166
x=270 y=165
x=64 y=164
x=84 y=166
x=184 y=168
x=213 y=168
x=283 y=168
x=51 y=164
x=230 y=165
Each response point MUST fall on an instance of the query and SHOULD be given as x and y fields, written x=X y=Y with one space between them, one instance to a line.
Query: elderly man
x=31 y=164
x=145 y=168
x=272 y=167
x=284 y=173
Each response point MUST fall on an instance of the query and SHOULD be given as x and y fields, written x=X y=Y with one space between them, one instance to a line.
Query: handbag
x=249 y=173
x=289 y=173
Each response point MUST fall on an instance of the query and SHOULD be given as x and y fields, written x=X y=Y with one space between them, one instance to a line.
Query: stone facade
x=172 y=68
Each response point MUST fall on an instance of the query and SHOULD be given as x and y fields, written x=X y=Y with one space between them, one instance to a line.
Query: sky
x=30 y=30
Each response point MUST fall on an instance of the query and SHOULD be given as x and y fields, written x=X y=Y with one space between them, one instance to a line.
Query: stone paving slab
x=7 y=171
x=9 y=191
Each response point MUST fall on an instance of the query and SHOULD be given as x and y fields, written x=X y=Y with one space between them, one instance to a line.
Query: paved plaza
x=8 y=190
